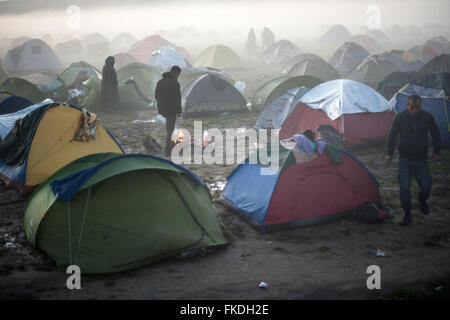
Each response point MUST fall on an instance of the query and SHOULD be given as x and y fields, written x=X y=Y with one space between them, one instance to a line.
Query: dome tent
x=318 y=68
x=122 y=59
x=367 y=43
x=45 y=143
x=438 y=64
x=37 y=87
x=335 y=36
x=356 y=111
x=11 y=104
x=189 y=75
x=144 y=75
x=218 y=56
x=33 y=55
x=122 y=42
x=403 y=60
x=372 y=70
x=439 y=44
x=423 y=52
x=142 y=50
x=298 y=58
x=347 y=57
x=166 y=210
x=70 y=74
x=277 y=86
x=209 y=95
x=392 y=83
x=277 y=110
x=303 y=191
x=435 y=80
x=280 y=52
x=167 y=57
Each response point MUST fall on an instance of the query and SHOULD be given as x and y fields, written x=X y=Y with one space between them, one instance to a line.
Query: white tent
x=166 y=57
x=33 y=55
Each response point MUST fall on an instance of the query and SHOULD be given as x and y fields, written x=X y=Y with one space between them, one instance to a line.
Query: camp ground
x=260 y=172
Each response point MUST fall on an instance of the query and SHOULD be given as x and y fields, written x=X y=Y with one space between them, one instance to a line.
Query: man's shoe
x=424 y=207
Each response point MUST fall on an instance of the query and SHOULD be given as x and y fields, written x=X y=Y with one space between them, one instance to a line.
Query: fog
x=195 y=24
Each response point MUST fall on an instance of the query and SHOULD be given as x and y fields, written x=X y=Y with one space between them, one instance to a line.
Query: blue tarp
x=11 y=104
x=249 y=191
x=65 y=189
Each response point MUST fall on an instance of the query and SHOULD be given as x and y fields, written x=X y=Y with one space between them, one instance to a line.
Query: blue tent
x=433 y=101
x=11 y=104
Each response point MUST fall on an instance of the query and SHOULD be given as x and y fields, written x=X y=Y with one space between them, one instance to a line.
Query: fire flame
x=179 y=138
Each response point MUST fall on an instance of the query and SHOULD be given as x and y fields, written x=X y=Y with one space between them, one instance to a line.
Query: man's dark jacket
x=413 y=133
x=168 y=95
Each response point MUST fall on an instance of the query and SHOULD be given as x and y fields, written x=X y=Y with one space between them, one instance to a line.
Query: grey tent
x=280 y=108
x=403 y=60
x=314 y=67
x=69 y=51
x=298 y=58
x=335 y=36
x=280 y=52
x=210 y=95
x=122 y=43
x=440 y=44
x=347 y=57
x=439 y=64
x=33 y=55
x=372 y=71
x=392 y=83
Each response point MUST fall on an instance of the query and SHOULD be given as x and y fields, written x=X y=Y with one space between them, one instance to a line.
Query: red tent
x=356 y=128
x=143 y=50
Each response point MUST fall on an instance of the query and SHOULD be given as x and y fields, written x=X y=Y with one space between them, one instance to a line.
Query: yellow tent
x=50 y=137
x=218 y=56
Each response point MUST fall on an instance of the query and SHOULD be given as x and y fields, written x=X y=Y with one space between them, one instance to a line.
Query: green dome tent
x=189 y=75
x=276 y=87
x=70 y=74
x=316 y=68
x=37 y=87
x=145 y=76
x=82 y=215
x=218 y=56
x=130 y=96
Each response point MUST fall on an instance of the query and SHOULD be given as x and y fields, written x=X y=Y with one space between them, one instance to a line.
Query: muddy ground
x=318 y=262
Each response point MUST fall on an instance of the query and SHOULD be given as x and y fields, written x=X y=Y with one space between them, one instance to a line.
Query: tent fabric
x=277 y=86
x=167 y=57
x=439 y=107
x=438 y=64
x=191 y=74
x=70 y=74
x=11 y=104
x=342 y=96
x=143 y=49
x=37 y=87
x=298 y=58
x=439 y=44
x=436 y=80
x=356 y=128
x=303 y=193
x=218 y=56
x=368 y=43
x=122 y=42
x=279 y=109
x=174 y=217
x=403 y=60
x=211 y=94
x=122 y=59
x=3 y=73
x=50 y=144
x=335 y=36
x=372 y=71
x=423 y=52
x=280 y=52
x=347 y=57
x=146 y=77
x=392 y=83
x=33 y=55
x=318 y=68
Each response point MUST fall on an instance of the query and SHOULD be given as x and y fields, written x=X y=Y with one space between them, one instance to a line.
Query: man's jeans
x=421 y=171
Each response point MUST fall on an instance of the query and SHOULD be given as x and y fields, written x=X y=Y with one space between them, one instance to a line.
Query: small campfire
x=179 y=137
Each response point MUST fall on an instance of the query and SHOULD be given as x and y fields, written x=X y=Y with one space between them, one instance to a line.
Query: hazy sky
x=140 y=17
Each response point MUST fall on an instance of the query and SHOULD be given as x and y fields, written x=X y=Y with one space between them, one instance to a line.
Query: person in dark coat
x=413 y=126
x=110 y=90
x=168 y=98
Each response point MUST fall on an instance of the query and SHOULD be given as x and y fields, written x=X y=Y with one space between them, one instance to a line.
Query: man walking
x=413 y=126
x=168 y=98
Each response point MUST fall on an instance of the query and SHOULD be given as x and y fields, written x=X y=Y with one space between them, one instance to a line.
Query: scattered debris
x=262 y=285
x=151 y=145
x=380 y=253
